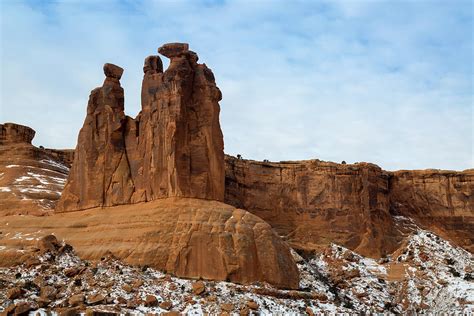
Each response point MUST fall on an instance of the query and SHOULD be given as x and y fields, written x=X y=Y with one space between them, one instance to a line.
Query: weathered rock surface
x=173 y=148
x=186 y=237
x=100 y=174
x=315 y=203
x=31 y=178
x=11 y=133
x=442 y=201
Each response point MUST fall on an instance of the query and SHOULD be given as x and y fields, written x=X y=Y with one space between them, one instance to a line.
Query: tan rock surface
x=180 y=140
x=442 y=201
x=173 y=148
x=186 y=237
x=31 y=178
x=314 y=203
x=100 y=174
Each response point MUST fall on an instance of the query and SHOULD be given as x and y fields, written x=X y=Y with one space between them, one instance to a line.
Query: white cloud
x=354 y=81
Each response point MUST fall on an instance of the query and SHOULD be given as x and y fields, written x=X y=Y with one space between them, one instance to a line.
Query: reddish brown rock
x=48 y=243
x=31 y=178
x=48 y=292
x=11 y=133
x=171 y=50
x=438 y=200
x=252 y=304
x=151 y=300
x=100 y=174
x=14 y=293
x=199 y=288
x=23 y=308
x=180 y=141
x=113 y=71
x=314 y=203
x=173 y=148
x=191 y=238
x=166 y=305
x=76 y=300
x=153 y=65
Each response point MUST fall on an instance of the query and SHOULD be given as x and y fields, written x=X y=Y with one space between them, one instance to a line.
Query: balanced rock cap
x=173 y=49
x=113 y=71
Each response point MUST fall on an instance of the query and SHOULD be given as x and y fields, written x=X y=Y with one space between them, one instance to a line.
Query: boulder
x=113 y=71
x=151 y=300
x=171 y=50
x=76 y=300
x=198 y=288
x=48 y=243
x=14 y=293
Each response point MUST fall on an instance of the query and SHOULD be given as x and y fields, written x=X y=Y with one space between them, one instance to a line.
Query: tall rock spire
x=173 y=148
x=100 y=175
x=180 y=134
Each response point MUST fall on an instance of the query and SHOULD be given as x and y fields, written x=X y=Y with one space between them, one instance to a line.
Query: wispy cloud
x=380 y=81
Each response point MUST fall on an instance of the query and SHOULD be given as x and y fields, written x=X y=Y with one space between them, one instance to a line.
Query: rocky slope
x=31 y=178
x=427 y=274
x=442 y=201
x=186 y=237
x=313 y=203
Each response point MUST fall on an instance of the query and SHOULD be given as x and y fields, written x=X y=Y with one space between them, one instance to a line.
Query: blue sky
x=388 y=82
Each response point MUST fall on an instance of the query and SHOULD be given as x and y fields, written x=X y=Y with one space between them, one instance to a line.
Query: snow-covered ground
x=435 y=277
x=41 y=184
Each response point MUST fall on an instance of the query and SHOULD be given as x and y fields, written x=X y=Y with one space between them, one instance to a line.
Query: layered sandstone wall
x=442 y=201
x=313 y=203
x=31 y=178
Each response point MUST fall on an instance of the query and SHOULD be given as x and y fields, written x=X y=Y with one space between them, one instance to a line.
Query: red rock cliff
x=314 y=203
x=442 y=201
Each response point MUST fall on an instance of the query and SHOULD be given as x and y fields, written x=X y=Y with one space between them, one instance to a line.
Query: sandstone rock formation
x=186 y=237
x=11 y=133
x=31 y=178
x=315 y=203
x=442 y=201
x=173 y=148
x=100 y=174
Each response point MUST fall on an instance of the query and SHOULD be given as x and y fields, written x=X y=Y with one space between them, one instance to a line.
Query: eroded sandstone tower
x=174 y=147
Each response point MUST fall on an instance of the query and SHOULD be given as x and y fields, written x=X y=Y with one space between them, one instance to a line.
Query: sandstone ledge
x=185 y=237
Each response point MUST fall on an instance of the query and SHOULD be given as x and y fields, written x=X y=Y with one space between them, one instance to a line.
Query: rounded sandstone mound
x=186 y=237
